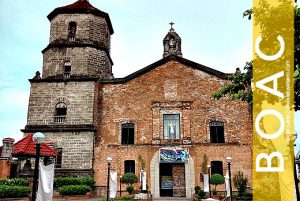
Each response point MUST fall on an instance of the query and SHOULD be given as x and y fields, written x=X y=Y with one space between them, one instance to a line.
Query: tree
x=216 y=179
x=240 y=83
x=204 y=164
x=240 y=183
x=129 y=179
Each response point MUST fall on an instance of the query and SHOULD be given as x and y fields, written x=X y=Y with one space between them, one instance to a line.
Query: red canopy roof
x=26 y=147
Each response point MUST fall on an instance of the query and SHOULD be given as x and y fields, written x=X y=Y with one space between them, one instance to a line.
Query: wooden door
x=178 y=180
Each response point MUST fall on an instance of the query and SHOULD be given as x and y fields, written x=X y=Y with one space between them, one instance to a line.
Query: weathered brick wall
x=171 y=88
x=79 y=97
x=5 y=165
x=84 y=62
x=90 y=29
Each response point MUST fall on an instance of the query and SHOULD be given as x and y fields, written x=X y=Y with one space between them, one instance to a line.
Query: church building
x=163 y=113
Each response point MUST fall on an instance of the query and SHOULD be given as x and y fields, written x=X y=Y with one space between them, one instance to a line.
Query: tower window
x=216 y=132
x=217 y=167
x=72 y=31
x=171 y=126
x=58 y=158
x=127 y=133
x=129 y=166
x=60 y=112
x=67 y=70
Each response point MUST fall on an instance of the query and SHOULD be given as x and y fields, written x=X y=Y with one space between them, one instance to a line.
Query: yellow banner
x=273 y=100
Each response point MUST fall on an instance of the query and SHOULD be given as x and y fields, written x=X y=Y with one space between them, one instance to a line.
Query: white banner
x=205 y=183
x=227 y=184
x=45 y=186
x=144 y=179
x=113 y=184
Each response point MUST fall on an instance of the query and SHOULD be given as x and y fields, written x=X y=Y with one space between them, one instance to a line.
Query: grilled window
x=58 y=158
x=216 y=132
x=127 y=133
x=72 y=31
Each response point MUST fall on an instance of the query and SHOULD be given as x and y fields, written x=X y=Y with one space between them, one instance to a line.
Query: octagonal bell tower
x=79 y=44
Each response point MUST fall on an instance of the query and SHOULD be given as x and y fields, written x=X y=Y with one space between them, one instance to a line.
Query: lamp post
x=38 y=139
x=109 y=159
x=120 y=185
x=295 y=169
x=228 y=160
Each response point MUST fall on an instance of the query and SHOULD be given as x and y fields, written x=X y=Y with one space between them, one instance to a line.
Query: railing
x=59 y=119
x=67 y=75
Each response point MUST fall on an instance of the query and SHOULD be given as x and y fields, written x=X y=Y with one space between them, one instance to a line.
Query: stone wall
x=77 y=148
x=90 y=29
x=84 y=62
x=78 y=96
x=168 y=89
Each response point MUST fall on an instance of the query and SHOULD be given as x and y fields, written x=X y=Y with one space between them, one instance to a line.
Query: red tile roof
x=81 y=6
x=26 y=147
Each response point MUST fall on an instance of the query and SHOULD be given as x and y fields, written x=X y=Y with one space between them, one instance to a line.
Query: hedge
x=14 y=191
x=67 y=181
x=74 y=190
x=14 y=182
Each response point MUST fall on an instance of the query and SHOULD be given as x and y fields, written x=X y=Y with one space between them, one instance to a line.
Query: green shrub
x=74 y=190
x=129 y=179
x=88 y=181
x=197 y=188
x=216 y=179
x=201 y=194
x=14 y=191
x=14 y=182
x=240 y=183
x=129 y=189
x=67 y=181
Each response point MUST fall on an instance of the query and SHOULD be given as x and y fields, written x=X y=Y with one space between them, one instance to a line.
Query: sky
x=213 y=33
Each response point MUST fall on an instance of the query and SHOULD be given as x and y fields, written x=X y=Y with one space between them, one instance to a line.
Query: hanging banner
x=273 y=100
x=173 y=155
x=167 y=182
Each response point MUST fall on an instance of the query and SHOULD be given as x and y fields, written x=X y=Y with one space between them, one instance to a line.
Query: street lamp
x=109 y=159
x=38 y=139
x=120 y=185
x=208 y=167
x=228 y=160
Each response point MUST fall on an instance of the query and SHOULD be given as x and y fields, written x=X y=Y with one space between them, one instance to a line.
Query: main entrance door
x=172 y=179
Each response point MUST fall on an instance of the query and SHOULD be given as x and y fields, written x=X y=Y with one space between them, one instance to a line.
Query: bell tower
x=172 y=43
x=79 y=44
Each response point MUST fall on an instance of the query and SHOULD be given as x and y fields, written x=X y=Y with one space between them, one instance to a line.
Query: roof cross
x=171 y=23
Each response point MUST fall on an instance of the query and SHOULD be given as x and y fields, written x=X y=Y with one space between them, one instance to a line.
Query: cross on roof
x=171 y=23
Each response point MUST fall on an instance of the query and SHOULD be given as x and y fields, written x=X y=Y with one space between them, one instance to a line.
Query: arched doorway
x=155 y=177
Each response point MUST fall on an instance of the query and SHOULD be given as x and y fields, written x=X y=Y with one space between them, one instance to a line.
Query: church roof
x=26 y=147
x=179 y=59
x=81 y=6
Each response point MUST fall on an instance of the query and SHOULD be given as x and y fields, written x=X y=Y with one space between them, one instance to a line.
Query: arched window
x=127 y=133
x=60 y=112
x=216 y=132
x=67 y=70
x=72 y=31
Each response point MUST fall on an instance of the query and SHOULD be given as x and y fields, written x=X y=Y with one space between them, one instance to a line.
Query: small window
x=171 y=126
x=58 y=158
x=72 y=31
x=67 y=70
x=127 y=133
x=216 y=132
x=60 y=112
x=217 y=167
x=129 y=166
